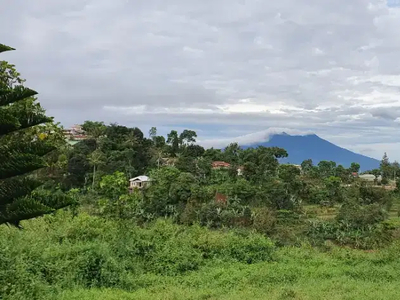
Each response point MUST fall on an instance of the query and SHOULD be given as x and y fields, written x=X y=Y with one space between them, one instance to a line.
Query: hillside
x=301 y=147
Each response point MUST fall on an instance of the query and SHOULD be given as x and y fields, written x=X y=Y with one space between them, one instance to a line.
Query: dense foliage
x=22 y=151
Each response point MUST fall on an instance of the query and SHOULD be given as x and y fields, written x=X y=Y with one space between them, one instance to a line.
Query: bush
x=246 y=247
x=61 y=252
x=371 y=195
x=230 y=214
x=264 y=220
x=341 y=233
x=359 y=216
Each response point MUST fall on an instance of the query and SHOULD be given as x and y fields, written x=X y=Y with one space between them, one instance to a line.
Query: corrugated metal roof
x=140 y=178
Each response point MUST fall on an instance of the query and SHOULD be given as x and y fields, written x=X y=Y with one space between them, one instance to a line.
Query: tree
x=96 y=158
x=343 y=173
x=152 y=133
x=385 y=169
x=354 y=167
x=333 y=186
x=131 y=140
x=21 y=153
x=307 y=165
x=326 y=168
x=173 y=141
x=187 y=137
x=395 y=170
x=261 y=163
x=194 y=151
x=232 y=153
x=95 y=130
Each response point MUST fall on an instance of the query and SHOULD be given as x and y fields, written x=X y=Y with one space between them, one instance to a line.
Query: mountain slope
x=301 y=147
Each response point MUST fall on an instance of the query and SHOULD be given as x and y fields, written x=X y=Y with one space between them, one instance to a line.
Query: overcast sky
x=225 y=68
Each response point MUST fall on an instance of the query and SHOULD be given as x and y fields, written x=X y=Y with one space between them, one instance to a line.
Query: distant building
x=224 y=165
x=74 y=134
x=370 y=177
x=139 y=182
x=297 y=166
x=220 y=165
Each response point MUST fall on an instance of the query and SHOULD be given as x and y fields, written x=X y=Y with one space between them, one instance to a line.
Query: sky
x=225 y=68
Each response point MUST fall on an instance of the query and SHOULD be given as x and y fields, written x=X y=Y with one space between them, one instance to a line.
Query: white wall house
x=139 y=182
x=370 y=177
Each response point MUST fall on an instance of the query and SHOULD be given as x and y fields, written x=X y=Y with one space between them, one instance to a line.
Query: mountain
x=301 y=147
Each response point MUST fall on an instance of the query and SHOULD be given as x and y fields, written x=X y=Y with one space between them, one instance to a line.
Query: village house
x=139 y=182
x=224 y=165
x=74 y=134
x=220 y=165
x=370 y=177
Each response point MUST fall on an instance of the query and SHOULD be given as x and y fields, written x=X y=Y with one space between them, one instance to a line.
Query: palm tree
x=158 y=154
x=131 y=139
x=96 y=158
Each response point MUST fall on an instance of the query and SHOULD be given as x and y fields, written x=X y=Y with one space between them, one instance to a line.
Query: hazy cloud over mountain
x=226 y=68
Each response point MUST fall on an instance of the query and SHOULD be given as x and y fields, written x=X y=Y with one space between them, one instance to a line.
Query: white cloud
x=248 y=139
x=224 y=67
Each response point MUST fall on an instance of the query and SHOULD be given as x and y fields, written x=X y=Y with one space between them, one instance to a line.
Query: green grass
x=92 y=258
x=298 y=273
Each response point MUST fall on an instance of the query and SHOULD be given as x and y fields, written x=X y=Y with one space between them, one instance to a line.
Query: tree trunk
x=94 y=176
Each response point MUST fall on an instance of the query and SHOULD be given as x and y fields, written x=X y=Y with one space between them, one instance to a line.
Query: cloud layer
x=226 y=68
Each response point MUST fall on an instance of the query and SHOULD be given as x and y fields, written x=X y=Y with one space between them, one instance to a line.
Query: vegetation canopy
x=22 y=152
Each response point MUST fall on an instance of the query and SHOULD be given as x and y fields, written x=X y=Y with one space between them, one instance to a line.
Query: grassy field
x=91 y=258
x=298 y=273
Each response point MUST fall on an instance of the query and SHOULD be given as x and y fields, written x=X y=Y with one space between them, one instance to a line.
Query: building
x=224 y=165
x=139 y=182
x=370 y=177
x=220 y=165
x=74 y=134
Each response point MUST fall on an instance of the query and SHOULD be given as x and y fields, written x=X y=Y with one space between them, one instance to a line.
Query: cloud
x=228 y=68
x=248 y=139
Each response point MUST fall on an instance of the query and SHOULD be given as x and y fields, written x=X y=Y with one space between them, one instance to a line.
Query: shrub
x=360 y=216
x=264 y=220
x=369 y=237
x=247 y=247
x=61 y=252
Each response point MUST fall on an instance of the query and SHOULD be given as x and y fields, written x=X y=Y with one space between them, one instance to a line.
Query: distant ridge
x=311 y=146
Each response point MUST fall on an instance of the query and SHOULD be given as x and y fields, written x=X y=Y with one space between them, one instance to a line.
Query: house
x=74 y=134
x=139 y=182
x=224 y=165
x=370 y=177
x=220 y=165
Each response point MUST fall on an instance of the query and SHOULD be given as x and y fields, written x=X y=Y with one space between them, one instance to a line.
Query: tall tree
x=174 y=142
x=187 y=137
x=355 y=167
x=232 y=152
x=21 y=152
x=307 y=166
x=96 y=158
x=152 y=133
x=385 y=169
x=95 y=130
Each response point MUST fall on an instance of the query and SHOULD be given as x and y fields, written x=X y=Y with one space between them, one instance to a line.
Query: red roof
x=220 y=164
